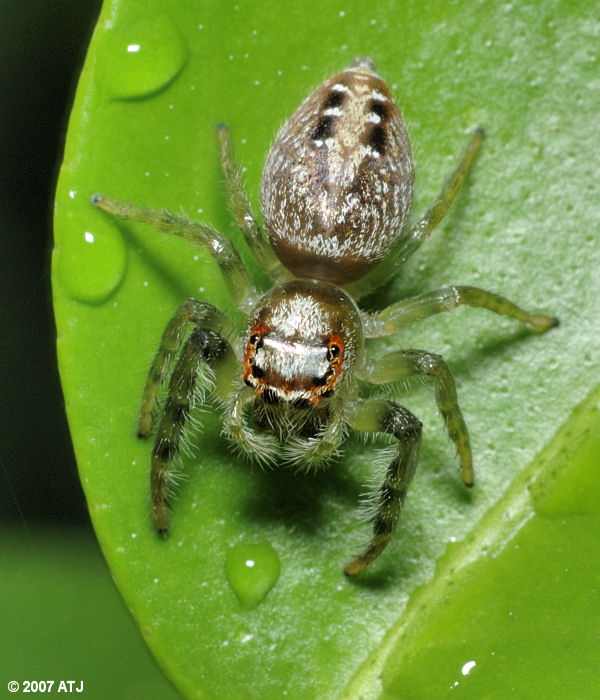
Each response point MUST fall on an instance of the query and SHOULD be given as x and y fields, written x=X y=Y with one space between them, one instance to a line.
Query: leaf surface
x=157 y=79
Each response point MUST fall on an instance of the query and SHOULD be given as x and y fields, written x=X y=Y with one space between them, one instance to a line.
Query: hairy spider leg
x=408 y=363
x=380 y=415
x=260 y=446
x=308 y=452
x=421 y=231
x=191 y=311
x=266 y=449
x=192 y=378
x=242 y=209
x=234 y=272
x=394 y=317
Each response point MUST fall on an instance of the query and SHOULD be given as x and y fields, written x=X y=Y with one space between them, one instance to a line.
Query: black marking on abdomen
x=377 y=139
x=323 y=130
x=334 y=99
x=379 y=109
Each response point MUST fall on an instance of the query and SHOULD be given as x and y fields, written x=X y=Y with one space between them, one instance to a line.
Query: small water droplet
x=252 y=570
x=141 y=58
x=467 y=667
x=92 y=260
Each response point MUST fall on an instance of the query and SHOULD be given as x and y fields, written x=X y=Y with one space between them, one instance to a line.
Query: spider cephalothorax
x=304 y=339
x=335 y=196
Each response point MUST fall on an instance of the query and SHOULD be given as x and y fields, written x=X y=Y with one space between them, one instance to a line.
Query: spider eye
x=320 y=381
x=333 y=351
x=255 y=341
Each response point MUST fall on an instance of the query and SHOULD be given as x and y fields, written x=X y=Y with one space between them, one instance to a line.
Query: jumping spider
x=335 y=195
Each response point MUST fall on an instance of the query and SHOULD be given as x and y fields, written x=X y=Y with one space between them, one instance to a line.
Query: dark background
x=41 y=53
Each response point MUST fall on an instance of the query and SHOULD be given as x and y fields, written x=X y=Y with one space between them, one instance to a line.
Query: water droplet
x=467 y=667
x=91 y=260
x=141 y=58
x=252 y=570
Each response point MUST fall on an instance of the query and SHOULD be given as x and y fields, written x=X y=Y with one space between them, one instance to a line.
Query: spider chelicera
x=335 y=195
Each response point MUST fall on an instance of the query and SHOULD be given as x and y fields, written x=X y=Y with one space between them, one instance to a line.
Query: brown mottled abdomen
x=337 y=185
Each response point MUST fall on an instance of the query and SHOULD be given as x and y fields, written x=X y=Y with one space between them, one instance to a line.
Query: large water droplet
x=92 y=260
x=252 y=570
x=141 y=58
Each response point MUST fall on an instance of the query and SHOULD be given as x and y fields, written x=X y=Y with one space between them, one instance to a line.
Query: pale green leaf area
x=526 y=225
x=514 y=609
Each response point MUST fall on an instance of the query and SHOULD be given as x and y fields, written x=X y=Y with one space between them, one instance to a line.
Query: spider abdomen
x=338 y=182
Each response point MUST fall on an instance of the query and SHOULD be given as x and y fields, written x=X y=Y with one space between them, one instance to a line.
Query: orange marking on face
x=335 y=353
x=255 y=337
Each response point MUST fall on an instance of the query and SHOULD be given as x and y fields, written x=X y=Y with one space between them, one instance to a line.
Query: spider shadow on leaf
x=299 y=499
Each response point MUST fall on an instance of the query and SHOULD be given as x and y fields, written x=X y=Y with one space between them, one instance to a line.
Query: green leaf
x=516 y=604
x=142 y=130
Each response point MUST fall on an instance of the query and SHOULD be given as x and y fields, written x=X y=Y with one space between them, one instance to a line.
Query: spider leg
x=192 y=378
x=379 y=415
x=408 y=363
x=394 y=317
x=421 y=231
x=313 y=451
x=191 y=311
x=256 y=445
x=242 y=209
x=234 y=271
